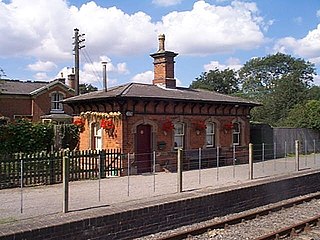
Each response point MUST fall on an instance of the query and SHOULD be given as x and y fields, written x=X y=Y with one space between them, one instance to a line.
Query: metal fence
x=130 y=176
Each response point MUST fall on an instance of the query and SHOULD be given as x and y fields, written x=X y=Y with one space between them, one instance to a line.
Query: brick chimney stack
x=163 y=65
x=71 y=80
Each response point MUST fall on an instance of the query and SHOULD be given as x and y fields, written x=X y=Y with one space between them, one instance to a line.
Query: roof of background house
x=140 y=90
x=18 y=87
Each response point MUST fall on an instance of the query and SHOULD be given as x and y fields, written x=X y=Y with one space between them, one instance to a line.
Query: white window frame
x=56 y=102
x=179 y=135
x=97 y=137
x=211 y=135
x=236 y=134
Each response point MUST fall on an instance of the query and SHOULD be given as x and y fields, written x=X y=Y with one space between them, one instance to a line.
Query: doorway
x=143 y=155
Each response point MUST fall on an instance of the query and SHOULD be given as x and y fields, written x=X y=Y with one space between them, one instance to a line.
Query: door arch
x=143 y=156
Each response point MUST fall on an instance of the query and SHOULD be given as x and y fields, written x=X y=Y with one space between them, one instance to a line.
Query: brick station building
x=141 y=118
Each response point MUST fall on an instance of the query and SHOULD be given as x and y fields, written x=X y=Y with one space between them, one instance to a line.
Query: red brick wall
x=15 y=105
x=124 y=136
x=41 y=104
x=37 y=106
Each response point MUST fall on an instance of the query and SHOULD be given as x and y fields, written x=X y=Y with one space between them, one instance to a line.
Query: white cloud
x=166 y=3
x=41 y=76
x=145 y=77
x=46 y=28
x=307 y=47
x=232 y=63
x=42 y=66
x=210 y=29
x=316 y=80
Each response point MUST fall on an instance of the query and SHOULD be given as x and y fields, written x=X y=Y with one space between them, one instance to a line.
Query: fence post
x=218 y=158
x=51 y=168
x=199 y=175
x=102 y=163
x=21 y=184
x=65 y=180
x=314 y=151
x=297 y=155
x=250 y=161
x=179 y=170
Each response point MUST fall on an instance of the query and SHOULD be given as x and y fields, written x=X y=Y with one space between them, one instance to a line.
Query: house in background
x=141 y=118
x=36 y=101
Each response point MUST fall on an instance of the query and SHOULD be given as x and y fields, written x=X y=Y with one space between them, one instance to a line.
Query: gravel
x=253 y=228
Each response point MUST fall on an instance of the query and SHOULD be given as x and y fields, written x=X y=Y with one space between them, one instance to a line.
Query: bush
x=27 y=137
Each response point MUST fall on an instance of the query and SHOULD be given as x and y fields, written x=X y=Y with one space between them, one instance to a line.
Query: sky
x=36 y=40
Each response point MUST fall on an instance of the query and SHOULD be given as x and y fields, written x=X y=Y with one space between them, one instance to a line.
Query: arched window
x=178 y=135
x=210 y=134
x=236 y=133
x=56 y=102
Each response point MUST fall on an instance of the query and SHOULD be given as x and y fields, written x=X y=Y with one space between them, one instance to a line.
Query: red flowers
x=228 y=126
x=167 y=125
x=79 y=122
x=201 y=125
x=107 y=124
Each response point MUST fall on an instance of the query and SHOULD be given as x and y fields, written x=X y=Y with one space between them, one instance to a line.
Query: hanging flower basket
x=107 y=124
x=79 y=122
x=167 y=125
x=199 y=126
x=228 y=126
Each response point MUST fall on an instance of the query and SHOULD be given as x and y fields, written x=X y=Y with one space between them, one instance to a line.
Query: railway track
x=290 y=227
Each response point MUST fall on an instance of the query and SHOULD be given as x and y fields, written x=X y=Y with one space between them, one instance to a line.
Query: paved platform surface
x=91 y=198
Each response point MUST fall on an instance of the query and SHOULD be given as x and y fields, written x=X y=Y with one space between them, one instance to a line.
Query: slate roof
x=18 y=87
x=140 y=90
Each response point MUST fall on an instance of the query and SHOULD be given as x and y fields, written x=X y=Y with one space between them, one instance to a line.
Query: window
x=56 y=102
x=236 y=133
x=210 y=134
x=178 y=135
x=97 y=137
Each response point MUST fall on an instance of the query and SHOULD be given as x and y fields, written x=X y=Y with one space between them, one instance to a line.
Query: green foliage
x=277 y=81
x=260 y=76
x=304 y=115
x=222 y=81
x=86 y=88
x=24 y=136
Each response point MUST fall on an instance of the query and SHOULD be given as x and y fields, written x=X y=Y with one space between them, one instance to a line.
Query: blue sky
x=36 y=42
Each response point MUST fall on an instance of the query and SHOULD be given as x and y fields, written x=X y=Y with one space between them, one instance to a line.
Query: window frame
x=97 y=132
x=56 y=102
x=180 y=135
x=212 y=135
x=236 y=133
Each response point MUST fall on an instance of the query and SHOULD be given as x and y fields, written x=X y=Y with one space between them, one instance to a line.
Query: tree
x=279 y=82
x=304 y=115
x=222 y=81
x=86 y=88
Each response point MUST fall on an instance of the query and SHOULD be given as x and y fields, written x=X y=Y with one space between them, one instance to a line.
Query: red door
x=143 y=148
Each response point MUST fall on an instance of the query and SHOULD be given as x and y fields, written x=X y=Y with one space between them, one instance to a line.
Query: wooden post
x=297 y=155
x=179 y=171
x=250 y=161
x=65 y=182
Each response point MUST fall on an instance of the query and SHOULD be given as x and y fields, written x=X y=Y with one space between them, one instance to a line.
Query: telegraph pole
x=77 y=42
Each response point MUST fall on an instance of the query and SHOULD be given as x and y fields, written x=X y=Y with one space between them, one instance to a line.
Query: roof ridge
x=126 y=88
